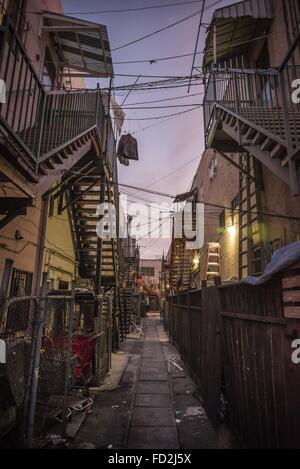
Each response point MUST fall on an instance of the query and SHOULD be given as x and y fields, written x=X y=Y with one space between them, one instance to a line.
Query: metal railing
x=261 y=97
x=41 y=122
x=65 y=116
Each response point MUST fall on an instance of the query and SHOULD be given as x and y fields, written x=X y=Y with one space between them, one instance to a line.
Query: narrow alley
x=156 y=404
x=149 y=225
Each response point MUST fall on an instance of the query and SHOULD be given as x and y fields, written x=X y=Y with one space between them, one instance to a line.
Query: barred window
x=21 y=283
x=147 y=271
x=18 y=312
x=222 y=222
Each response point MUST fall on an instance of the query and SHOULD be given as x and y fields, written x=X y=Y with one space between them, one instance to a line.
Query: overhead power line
x=162 y=81
x=130 y=107
x=128 y=10
x=157 y=31
x=159 y=117
x=174 y=171
x=167 y=77
x=166 y=176
x=207 y=204
x=165 y=99
x=154 y=60
x=160 y=122
x=154 y=88
x=196 y=45
x=186 y=18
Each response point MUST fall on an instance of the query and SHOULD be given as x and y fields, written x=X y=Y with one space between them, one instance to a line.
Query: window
x=51 y=207
x=147 y=271
x=18 y=312
x=234 y=206
x=257 y=264
x=63 y=285
x=263 y=62
x=49 y=71
x=222 y=222
x=21 y=283
x=60 y=204
x=235 y=203
x=212 y=168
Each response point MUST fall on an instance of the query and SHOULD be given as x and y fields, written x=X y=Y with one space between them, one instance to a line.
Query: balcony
x=40 y=129
x=252 y=110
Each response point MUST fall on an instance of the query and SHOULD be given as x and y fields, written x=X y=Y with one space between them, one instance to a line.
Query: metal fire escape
x=248 y=106
x=63 y=135
x=248 y=110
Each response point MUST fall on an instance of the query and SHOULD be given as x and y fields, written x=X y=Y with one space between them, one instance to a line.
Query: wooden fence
x=237 y=340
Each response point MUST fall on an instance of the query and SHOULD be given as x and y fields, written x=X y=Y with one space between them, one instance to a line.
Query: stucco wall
x=23 y=251
x=59 y=256
x=156 y=263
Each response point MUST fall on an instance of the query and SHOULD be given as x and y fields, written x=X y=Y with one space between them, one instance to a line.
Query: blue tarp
x=281 y=260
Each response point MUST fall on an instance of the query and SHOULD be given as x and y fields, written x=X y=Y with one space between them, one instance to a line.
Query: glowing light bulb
x=231 y=230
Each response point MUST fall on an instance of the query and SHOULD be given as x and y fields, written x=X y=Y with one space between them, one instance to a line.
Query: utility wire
x=166 y=176
x=154 y=88
x=167 y=77
x=159 y=117
x=182 y=20
x=129 y=107
x=196 y=45
x=159 y=123
x=165 y=99
x=154 y=60
x=167 y=27
x=128 y=10
x=131 y=89
x=164 y=80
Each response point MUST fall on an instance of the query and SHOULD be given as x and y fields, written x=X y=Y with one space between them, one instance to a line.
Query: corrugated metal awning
x=236 y=26
x=83 y=46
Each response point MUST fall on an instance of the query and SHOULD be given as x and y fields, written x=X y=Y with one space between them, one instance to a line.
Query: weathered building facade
x=248 y=177
x=150 y=271
x=58 y=195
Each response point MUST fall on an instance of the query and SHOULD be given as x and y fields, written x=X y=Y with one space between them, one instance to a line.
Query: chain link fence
x=54 y=343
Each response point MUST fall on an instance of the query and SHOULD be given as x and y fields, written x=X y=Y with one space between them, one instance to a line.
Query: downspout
x=38 y=269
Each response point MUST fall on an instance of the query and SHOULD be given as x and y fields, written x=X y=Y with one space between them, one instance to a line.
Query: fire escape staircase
x=252 y=111
x=85 y=196
x=42 y=131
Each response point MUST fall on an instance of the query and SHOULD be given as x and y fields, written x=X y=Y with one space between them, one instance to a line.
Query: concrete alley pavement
x=155 y=406
x=153 y=421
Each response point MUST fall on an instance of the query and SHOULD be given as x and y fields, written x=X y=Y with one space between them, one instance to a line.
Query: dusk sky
x=166 y=145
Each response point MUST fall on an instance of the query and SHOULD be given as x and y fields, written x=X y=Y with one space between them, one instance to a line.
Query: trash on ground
x=195 y=412
x=82 y=405
x=86 y=446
